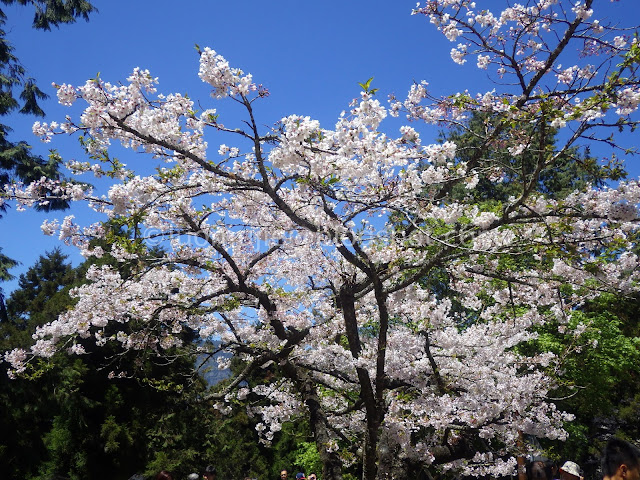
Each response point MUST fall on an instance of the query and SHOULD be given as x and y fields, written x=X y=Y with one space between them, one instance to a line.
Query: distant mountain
x=209 y=370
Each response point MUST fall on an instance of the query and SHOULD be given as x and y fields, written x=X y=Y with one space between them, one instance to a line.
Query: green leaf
x=366 y=87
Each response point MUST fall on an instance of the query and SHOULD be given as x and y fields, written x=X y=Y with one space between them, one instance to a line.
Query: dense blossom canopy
x=279 y=245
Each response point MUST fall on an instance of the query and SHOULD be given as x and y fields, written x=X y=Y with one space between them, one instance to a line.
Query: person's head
x=283 y=474
x=300 y=476
x=164 y=475
x=570 y=471
x=312 y=476
x=209 y=472
x=537 y=470
x=620 y=460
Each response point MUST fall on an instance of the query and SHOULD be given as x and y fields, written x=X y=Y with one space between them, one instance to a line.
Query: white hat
x=571 y=468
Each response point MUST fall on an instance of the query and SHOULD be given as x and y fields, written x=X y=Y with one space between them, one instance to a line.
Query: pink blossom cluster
x=215 y=71
x=521 y=43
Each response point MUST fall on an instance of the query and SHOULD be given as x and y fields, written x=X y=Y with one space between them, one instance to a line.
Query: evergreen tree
x=30 y=406
x=73 y=421
x=5 y=264
x=571 y=170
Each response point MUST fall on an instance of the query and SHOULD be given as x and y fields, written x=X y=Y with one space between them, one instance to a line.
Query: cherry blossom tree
x=278 y=246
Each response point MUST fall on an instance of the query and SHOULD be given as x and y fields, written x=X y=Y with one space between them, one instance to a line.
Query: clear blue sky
x=310 y=55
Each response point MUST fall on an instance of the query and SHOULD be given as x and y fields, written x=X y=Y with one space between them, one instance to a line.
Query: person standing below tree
x=209 y=472
x=539 y=468
x=570 y=471
x=620 y=461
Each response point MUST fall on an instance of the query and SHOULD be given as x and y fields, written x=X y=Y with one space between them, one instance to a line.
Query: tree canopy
x=277 y=245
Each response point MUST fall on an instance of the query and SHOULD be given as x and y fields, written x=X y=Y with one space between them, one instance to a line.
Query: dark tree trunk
x=331 y=462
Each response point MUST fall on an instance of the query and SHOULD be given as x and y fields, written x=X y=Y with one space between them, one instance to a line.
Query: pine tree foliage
x=19 y=92
x=50 y=13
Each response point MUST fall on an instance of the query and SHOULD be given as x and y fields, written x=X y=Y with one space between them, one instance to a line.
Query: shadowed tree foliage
x=5 y=264
x=571 y=171
x=599 y=381
x=48 y=13
x=72 y=421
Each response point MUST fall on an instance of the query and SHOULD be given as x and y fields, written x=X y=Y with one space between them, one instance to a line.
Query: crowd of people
x=209 y=473
x=284 y=475
x=620 y=461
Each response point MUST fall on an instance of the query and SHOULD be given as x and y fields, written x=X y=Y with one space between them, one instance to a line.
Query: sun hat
x=571 y=468
x=300 y=476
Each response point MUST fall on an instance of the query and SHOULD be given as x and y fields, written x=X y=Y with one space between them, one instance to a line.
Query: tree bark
x=367 y=393
x=331 y=462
